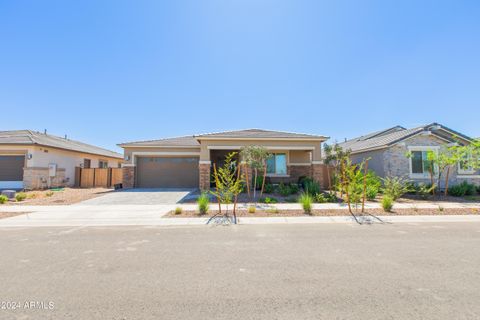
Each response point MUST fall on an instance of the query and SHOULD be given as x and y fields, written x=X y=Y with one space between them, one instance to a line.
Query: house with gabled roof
x=187 y=162
x=387 y=152
x=35 y=160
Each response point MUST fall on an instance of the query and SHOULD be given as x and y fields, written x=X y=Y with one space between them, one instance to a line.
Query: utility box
x=52 y=169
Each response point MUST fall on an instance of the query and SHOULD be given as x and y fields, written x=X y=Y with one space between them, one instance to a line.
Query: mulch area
x=4 y=215
x=332 y=212
x=63 y=196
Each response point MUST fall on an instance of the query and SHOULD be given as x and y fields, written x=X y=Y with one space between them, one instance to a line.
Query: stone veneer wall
x=204 y=181
x=128 y=176
x=38 y=178
x=296 y=172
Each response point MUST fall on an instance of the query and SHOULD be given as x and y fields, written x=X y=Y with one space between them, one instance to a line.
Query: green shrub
x=20 y=196
x=178 y=210
x=267 y=200
x=269 y=188
x=423 y=190
x=3 y=199
x=478 y=189
x=294 y=188
x=320 y=198
x=303 y=180
x=251 y=209
x=387 y=203
x=49 y=193
x=462 y=189
x=273 y=210
x=395 y=187
x=306 y=201
x=371 y=193
x=203 y=202
x=311 y=187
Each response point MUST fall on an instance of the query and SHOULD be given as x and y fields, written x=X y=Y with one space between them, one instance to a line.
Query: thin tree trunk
x=264 y=176
x=246 y=180
x=329 y=186
x=216 y=187
x=446 y=181
x=432 y=180
x=255 y=186
x=236 y=197
x=364 y=186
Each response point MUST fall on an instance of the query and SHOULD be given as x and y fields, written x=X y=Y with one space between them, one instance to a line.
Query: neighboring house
x=388 y=149
x=34 y=160
x=186 y=162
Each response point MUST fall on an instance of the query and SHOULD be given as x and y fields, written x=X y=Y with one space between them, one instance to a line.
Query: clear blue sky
x=106 y=72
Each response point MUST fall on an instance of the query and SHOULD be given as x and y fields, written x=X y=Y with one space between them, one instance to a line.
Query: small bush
x=306 y=201
x=294 y=188
x=20 y=196
x=320 y=198
x=387 y=203
x=441 y=209
x=178 y=210
x=269 y=188
x=273 y=210
x=268 y=200
x=3 y=199
x=371 y=193
x=287 y=189
x=203 y=202
x=31 y=195
x=252 y=209
x=311 y=187
x=395 y=187
x=49 y=193
x=462 y=189
x=478 y=189
x=423 y=190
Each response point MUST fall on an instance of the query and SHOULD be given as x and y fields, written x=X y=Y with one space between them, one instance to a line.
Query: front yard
x=60 y=196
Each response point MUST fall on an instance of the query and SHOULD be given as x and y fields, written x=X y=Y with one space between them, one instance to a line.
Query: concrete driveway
x=141 y=197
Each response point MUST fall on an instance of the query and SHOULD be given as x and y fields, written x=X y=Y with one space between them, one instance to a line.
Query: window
x=419 y=164
x=277 y=164
x=86 y=163
x=102 y=164
x=464 y=167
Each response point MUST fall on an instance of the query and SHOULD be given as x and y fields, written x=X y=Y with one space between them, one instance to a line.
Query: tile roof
x=260 y=134
x=26 y=137
x=185 y=141
x=385 y=138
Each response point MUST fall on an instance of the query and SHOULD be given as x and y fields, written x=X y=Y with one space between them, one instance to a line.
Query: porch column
x=204 y=179
x=318 y=173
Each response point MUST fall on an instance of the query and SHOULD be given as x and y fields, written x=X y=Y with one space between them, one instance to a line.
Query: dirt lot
x=61 y=197
x=331 y=212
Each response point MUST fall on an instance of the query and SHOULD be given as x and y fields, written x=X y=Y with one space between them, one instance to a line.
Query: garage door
x=11 y=172
x=163 y=172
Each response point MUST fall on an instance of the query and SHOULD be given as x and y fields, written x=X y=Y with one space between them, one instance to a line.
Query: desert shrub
x=441 y=209
x=49 y=193
x=294 y=188
x=20 y=196
x=306 y=201
x=311 y=187
x=267 y=200
x=251 y=209
x=178 y=210
x=320 y=198
x=203 y=202
x=478 y=189
x=291 y=199
x=269 y=188
x=3 y=199
x=287 y=189
x=423 y=190
x=273 y=210
x=395 y=187
x=371 y=193
x=303 y=180
x=462 y=189
x=387 y=203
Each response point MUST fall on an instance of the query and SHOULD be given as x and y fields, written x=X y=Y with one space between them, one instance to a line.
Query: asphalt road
x=401 y=271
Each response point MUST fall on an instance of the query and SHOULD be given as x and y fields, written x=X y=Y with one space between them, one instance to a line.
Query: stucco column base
x=128 y=177
x=204 y=180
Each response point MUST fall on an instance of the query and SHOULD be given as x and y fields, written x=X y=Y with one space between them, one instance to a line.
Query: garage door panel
x=11 y=168
x=167 y=172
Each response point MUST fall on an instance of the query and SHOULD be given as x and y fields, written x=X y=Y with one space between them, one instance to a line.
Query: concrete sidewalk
x=123 y=215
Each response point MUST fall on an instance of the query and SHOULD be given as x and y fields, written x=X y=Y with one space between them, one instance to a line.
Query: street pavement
x=311 y=271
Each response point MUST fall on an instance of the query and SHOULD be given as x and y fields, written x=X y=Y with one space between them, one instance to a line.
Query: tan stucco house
x=186 y=162
x=387 y=152
x=34 y=160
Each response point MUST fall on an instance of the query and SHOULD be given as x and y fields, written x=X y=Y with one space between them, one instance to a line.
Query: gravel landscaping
x=330 y=212
x=64 y=196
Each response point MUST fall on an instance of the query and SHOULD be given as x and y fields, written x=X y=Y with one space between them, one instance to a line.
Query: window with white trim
x=277 y=164
x=419 y=163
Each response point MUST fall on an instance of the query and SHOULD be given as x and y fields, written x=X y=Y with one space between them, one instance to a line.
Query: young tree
x=228 y=183
x=256 y=157
x=335 y=156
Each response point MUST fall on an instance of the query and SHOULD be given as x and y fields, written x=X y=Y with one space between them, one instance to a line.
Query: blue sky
x=106 y=72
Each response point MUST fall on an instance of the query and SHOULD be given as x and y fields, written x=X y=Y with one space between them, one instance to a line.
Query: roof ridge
x=152 y=140
x=259 y=129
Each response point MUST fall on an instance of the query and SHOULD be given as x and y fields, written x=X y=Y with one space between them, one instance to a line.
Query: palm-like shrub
x=306 y=201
